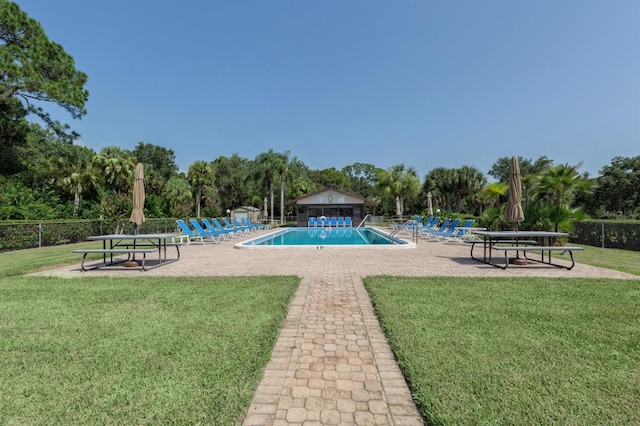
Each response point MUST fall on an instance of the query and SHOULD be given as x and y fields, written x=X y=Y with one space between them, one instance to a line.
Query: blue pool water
x=324 y=237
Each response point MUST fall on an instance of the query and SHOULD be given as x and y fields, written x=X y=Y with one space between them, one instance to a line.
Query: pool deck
x=331 y=363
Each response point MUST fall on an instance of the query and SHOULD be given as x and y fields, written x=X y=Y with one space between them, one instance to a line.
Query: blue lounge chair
x=225 y=228
x=311 y=223
x=256 y=226
x=460 y=233
x=434 y=227
x=340 y=222
x=444 y=231
x=230 y=225
x=333 y=222
x=188 y=233
x=236 y=223
x=259 y=225
x=321 y=221
x=215 y=236
x=227 y=233
x=347 y=222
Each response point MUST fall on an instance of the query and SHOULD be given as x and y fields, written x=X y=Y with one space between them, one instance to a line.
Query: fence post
x=40 y=235
x=602 y=235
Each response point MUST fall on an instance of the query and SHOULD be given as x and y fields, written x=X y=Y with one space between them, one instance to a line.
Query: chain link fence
x=24 y=235
x=619 y=235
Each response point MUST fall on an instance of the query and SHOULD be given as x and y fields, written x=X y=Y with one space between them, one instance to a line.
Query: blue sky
x=424 y=83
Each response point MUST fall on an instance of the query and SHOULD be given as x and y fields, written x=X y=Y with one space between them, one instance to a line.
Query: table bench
x=177 y=245
x=111 y=251
x=542 y=249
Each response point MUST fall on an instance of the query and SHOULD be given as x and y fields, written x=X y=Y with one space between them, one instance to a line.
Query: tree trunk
x=76 y=203
x=282 y=199
x=271 y=194
x=198 y=199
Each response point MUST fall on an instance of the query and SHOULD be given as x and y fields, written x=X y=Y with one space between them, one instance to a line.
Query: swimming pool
x=321 y=237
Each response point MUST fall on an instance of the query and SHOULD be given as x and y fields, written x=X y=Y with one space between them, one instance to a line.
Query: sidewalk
x=331 y=364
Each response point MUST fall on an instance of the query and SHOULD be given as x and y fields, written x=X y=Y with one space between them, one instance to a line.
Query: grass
x=517 y=350
x=620 y=260
x=149 y=350
x=20 y=262
x=98 y=350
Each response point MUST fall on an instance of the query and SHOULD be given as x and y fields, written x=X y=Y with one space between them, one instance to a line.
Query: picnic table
x=132 y=245
x=521 y=242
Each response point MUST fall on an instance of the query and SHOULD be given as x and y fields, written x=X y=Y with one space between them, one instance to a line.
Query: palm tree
x=559 y=185
x=265 y=170
x=177 y=192
x=398 y=183
x=469 y=182
x=283 y=165
x=491 y=193
x=75 y=173
x=199 y=175
x=116 y=168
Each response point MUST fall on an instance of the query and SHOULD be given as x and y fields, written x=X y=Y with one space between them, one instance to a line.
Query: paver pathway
x=331 y=363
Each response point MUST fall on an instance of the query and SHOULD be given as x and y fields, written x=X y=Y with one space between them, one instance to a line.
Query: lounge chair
x=236 y=223
x=311 y=223
x=321 y=221
x=230 y=225
x=340 y=222
x=264 y=225
x=255 y=226
x=460 y=233
x=429 y=222
x=188 y=233
x=228 y=233
x=446 y=230
x=333 y=222
x=347 y=222
x=434 y=228
x=215 y=236
x=225 y=228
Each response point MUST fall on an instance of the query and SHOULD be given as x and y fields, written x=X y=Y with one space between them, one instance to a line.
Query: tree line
x=44 y=176
x=53 y=179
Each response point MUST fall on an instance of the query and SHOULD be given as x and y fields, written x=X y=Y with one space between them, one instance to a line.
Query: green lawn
x=98 y=350
x=516 y=351
x=621 y=260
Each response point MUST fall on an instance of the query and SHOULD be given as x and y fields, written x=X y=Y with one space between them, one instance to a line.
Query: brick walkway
x=331 y=363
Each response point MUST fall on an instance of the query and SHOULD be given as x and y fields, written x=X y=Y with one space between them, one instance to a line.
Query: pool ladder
x=412 y=225
x=364 y=220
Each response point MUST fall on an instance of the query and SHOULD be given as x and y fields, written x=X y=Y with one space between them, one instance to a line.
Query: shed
x=250 y=212
x=330 y=202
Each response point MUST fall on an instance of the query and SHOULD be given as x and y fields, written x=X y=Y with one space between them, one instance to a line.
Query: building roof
x=250 y=208
x=365 y=201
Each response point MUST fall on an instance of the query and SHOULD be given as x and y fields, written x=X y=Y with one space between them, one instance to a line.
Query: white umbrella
x=429 y=203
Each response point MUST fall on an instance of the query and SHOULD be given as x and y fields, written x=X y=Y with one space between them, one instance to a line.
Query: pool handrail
x=363 y=220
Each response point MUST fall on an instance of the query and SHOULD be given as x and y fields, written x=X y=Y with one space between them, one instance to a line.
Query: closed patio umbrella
x=137 y=215
x=513 y=212
x=430 y=203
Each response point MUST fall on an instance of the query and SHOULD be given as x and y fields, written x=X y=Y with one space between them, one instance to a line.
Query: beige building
x=330 y=202
x=250 y=212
